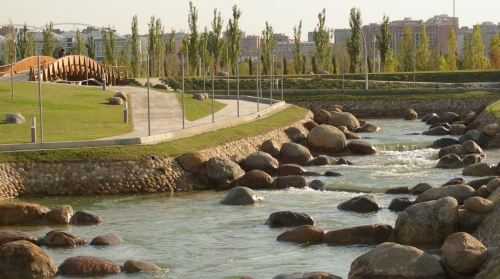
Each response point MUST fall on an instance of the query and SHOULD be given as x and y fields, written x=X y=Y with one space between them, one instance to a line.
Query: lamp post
x=366 y=59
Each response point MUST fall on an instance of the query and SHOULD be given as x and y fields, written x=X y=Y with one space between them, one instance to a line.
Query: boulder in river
x=85 y=217
x=463 y=252
x=261 y=160
x=366 y=234
x=241 y=196
x=21 y=213
x=256 y=179
x=88 y=266
x=289 y=219
x=222 y=172
x=23 y=259
x=132 y=266
x=326 y=139
x=294 y=153
x=364 y=203
x=106 y=239
x=303 y=234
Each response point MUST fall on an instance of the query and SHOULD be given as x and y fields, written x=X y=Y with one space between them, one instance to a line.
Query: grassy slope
x=166 y=149
x=69 y=112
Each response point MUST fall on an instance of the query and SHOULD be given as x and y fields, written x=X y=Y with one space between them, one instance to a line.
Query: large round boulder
x=469 y=221
x=222 y=172
x=326 y=139
x=85 y=217
x=391 y=260
x=21 y=213
x=132 y=266
x=323 y=160
x=303 y=234
x=261 y=161
x=410 y=114
x=88 y=266
x=444 y=142
x=11 y=236
x=344 y=119
x=361 y=147
x=364 y=203
x=400 y=203
x=321 y=116
x=479 y=205
x=293 y=153
x=115 y=101
x=436 y=131
x=106 y=239
x=193 y=162
x=473 y=135
x=421 y=187
x=271 y=147
x=290 y=181
x=62 y=239
x=295 y=134
x=256 y=179
x=23 y=259
x=121 y=95
x=460 y=192
x=367 y=234
x=291 y=169
x=60 y=215
x=240 y=196
x=368 y=128
x=457 y=149
x=458 y=129
x=448 y=117
x=427 y=116
x=479 y=169
x=464 y=253
x=450 y=161
x=289 y=219
x=427 y=222
x=491 y=129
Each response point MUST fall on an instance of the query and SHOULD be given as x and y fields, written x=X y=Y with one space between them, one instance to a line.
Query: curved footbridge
x=165 y=121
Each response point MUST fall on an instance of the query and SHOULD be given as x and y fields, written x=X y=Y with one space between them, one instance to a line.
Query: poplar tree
x=323 y=42
x=109 y=41
x=193 y=51
x=477 y=49
x=268 y=45
x=423 y=53
x=495 y=51
x=383 y=42
x=203 y=51
x=466 y=59
x=407 y=50
x=297 y=52
x=215 y=43
x=22 y=43
x=233 y=37
x=32 y=50
x=250 y=66
x=170 y=50
x=79 y=48
x=155 y=45
x=451 y=56
x=354 y=42
x=90 y=47
x=10 y=36
x=49 y=43
x=136 y=54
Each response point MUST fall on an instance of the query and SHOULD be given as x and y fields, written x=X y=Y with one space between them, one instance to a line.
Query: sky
x=282 y=15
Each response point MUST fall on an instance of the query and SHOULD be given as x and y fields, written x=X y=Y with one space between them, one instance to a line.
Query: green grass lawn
x=195 y=109
x=166 y=149
x=69 y=112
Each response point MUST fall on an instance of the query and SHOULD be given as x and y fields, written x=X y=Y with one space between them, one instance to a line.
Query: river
x=191 y=235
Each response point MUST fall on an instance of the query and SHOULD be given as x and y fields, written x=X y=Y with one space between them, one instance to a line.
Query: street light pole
x=366 y=59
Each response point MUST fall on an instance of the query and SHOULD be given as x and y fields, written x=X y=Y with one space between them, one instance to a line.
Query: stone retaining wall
x=143 y=176
x=390 y=108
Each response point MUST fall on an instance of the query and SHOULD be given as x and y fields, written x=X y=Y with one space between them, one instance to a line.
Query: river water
x=191 y=235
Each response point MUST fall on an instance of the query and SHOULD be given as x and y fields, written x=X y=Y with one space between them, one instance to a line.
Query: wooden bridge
x=69 y=68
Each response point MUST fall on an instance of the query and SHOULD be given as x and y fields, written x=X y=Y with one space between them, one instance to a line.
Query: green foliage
x=383 y=42
x=495 y=51
x=477 y=49
x=171 y=68
x=494 y=109
x=314 y=65
x=268 y=45
x=109 y=41
x=354 y=42
x=155 y=45
x=467 y=60
x=451 y=56
x=250 y=66
x=215 y=43
x=79 y=48
x=423 y=53
x=203 y=52
x=405 y=51
x=194 y=39
x=297 y=52
x=323 y=42
x=136 y=53
x=233 y=37
x=90 y=47
x=49 y=43
x=22 y=43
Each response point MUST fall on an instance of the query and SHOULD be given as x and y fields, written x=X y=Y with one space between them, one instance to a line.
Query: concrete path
x=166 y=113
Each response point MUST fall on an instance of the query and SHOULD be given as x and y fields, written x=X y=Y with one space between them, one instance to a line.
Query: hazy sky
x=283 y=15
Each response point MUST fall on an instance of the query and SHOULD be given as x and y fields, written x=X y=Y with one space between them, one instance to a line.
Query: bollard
x=125 y=112
x=33 y=129
x=104 y=81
